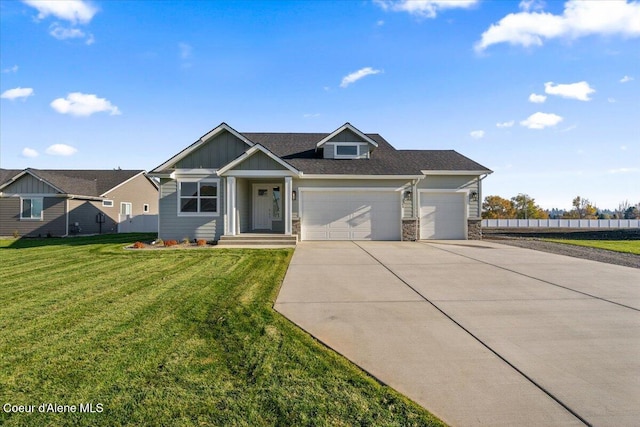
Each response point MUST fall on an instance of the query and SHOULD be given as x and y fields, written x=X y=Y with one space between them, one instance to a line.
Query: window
x=145 y=208
x=346 y=150
x=350 y=150
x=277 y=203
x=198 y=197
x=125 y=208
x=107 y=203
x=31 y=209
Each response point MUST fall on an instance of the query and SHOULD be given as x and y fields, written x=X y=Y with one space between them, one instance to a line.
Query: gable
x=259 y=161
x=28 y=184
x=347 y=135
x=214 y=153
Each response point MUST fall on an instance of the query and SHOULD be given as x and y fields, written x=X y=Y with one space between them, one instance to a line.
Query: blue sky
x=545 y=94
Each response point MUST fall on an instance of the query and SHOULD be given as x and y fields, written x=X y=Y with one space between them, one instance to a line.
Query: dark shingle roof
x=299 y=150
x=92 y=183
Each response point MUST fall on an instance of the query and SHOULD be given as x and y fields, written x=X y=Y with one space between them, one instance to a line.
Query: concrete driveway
x=476 y=332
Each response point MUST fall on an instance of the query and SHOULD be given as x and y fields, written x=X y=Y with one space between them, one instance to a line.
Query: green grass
x=626 y=246
x=169 y=338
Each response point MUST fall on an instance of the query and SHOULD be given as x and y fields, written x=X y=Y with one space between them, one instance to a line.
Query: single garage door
x=350 y=215
x=442 y=216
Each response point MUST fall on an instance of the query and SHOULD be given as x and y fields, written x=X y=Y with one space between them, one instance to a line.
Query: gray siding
x=259 y=161
x=346 y=136
x=177 y=227
x=83 y=213
x=53 y=223
x=139 y=191
x=243 y=199
x=215 y=153
x=454 y=182
x=27 y=184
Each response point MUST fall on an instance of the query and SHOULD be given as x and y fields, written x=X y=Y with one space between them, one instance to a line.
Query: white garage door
x=442 y=216
x=350 y=215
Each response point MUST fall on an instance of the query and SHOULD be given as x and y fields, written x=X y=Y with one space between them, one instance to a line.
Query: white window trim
x=22 y=218
x=130 y=208
x=358 y=155
x=107 y=203
x=215 y=181
x=145 y=208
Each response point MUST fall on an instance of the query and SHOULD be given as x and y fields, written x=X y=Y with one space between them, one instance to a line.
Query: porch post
x=288 y=205
x=231 y=206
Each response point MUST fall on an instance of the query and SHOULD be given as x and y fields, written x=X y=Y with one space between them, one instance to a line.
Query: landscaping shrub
x=202 y=242
x=138 y=245
x=168 y=243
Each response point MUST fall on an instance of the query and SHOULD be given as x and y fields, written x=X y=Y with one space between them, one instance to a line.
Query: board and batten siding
x=28 y=184
x=53 y=223
x=176 y=227
x=215 y=153
x=454 y=183
x=346 y=136
x=259 y=161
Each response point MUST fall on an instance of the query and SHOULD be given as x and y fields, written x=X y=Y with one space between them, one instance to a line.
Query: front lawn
x=172 y=337
x=626 y=246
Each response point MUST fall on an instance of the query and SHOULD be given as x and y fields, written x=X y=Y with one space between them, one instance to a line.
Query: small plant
x=138 y=245
x=169 y=243
x=159 y=242
x=16 y=234
x=186 y=241
x=202 y=242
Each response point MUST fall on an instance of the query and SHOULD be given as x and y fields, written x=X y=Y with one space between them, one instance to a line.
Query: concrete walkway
x=476 y=332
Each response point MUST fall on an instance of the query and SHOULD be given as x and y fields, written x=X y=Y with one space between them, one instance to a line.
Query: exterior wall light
x=473 y=196
x=294 y=195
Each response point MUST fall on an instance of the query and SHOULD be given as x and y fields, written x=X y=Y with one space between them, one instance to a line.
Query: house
x=36 y=202
x=343 y=185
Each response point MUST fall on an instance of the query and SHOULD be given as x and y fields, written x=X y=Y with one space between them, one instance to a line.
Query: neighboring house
x=343 y=185
x=37 y=202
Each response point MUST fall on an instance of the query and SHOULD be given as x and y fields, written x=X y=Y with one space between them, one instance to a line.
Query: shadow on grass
x=123 y=238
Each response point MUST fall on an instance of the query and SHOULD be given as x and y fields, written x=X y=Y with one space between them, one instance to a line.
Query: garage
x=354 y=214
x=443 y=216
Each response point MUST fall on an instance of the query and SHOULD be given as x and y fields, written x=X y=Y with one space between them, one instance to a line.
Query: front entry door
x=263 y=206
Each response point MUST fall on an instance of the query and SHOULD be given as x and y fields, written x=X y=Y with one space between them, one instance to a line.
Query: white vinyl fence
x=561 y=223
x=138 y=224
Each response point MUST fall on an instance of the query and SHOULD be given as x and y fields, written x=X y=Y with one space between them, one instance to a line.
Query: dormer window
x=350 y=150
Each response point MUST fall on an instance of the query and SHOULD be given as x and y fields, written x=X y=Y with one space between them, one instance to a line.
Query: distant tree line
x=524 y=206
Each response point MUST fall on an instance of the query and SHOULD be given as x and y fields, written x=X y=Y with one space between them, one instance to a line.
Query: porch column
x=231 y=206
x=288 y=205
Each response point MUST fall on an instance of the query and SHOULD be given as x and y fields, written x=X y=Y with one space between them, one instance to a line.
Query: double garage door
x=443 y=216
x=351 y=215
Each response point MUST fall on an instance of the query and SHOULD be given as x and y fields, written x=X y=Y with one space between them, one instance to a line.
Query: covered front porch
x=258 y=205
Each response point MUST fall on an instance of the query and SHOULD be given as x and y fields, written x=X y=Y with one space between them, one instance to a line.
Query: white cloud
x=13 y=69
x=29 y=152
x=81 y=104
x=61 y=150
x=505 y=124
x=357 y=75
x=62 y=33
x=73 y=11
x=541 y=120
x=477 y=134
x=528 y=5
x=308 y=115
x=423 y=8
x=579 y=19
x=537 y=99
x=185 y=50
x=623 y=147
x=18 y=92
x=380 y=23
x=624 y=170
x=611 y=100
x=579 y=91
x=626 y=79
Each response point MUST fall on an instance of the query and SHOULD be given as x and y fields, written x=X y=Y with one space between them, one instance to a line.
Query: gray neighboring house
x=36 y=202
x=342 y=185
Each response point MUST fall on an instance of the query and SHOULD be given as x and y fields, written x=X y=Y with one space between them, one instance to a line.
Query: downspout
x=480 y=178
x=66 y=208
